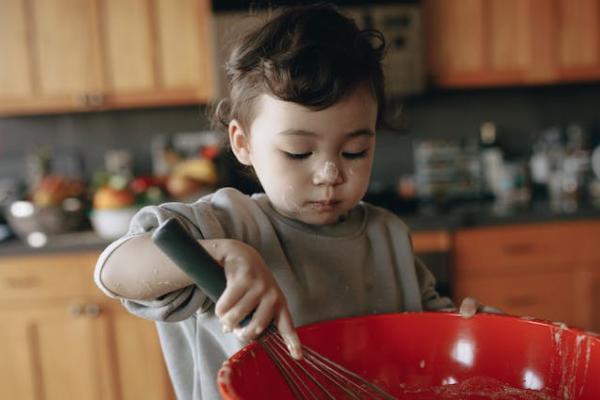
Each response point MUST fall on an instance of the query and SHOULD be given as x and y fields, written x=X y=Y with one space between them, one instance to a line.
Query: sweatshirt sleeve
x=430 y=298
x=201 y=219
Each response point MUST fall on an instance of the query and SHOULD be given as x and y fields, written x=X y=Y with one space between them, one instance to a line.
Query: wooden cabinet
x=156 y=52
x=594 y=291
x=61 y=338
x=15 y=58
x=62 y=352
x=549 y=271
x=82 y=55
x=512 y=42
x=578 y=51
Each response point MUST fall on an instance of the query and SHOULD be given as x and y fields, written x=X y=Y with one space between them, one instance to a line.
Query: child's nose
x=327 y=174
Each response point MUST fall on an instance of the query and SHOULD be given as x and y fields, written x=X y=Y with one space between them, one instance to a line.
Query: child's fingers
x=230 y=297
x=245 y=305
x=263 y=315
x=490 y=310
x=286 y=328
x=468 y=307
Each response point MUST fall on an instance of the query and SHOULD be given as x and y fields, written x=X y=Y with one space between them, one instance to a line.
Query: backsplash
x=519 y=113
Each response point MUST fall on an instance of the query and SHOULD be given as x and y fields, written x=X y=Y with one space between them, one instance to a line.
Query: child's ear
x=240 y=143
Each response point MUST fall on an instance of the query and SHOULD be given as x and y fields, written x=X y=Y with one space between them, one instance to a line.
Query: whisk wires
x=316 y=377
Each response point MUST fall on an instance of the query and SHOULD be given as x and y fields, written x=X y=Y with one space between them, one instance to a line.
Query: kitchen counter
x=483 y=215
x=466 y=216
x=69 y=242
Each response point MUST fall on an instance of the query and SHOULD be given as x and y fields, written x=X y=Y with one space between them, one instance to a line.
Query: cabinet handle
x=22 y=282
x=76 y=310
x=81 y=100
x=95 y=99
x=92 y=310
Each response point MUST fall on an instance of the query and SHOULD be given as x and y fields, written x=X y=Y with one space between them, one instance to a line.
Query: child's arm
x=138 y=269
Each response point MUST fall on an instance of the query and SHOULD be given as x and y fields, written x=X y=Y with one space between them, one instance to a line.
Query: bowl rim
x=224 y=373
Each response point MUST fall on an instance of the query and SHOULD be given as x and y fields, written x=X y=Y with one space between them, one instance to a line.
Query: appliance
x=399 y=21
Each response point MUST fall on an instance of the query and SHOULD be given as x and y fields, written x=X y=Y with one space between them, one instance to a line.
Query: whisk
x=315 y=376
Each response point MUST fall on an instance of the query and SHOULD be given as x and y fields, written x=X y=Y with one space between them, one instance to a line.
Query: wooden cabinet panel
x=66 y=54
x=431 y=241
x=128 y=44
x=84 y=55
x=31 y=279
x=588 y=236
x=17 y=370
x=542 y=295
x=525 y=247
x=579 y=39
x=508 y=24
x=73 y=354
x=549 y=271
x=183 y=34
x=16 y=78
x=498 y=42
x=138 y=356
x=67 y=352
x=594 y=291
x=480 y=42
x=455 y=34
x=60 y=338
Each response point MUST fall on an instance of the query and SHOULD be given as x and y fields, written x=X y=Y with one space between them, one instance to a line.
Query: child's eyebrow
x=302 y=132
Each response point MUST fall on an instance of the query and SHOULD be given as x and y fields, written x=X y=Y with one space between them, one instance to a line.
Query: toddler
x=307 y=96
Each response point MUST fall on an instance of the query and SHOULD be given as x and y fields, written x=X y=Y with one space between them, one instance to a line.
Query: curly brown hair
x=311 y=55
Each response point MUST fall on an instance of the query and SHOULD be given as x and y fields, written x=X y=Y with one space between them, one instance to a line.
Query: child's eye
x=352 y=156
x=297 y=156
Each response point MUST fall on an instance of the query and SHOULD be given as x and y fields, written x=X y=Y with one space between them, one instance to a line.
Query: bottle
x=492 y=158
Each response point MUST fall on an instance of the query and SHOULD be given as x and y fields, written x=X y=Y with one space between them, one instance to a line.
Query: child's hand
x=470 y=306
x=251 y=287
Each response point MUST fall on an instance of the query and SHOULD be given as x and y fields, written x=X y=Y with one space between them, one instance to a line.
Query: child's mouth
x=324 y=206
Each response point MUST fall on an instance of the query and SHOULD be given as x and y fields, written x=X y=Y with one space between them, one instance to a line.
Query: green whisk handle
x=189 y=255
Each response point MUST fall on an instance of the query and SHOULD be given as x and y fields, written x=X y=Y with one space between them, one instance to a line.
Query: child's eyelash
x=297 y=156
x=348 y=155
x=351 y=156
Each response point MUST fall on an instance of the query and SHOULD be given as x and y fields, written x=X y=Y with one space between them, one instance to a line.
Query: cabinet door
x=127 y=39
x=55 y=352
x=455 y=38
x=579 y=40
x=542 y=295
x=184 y=44
x=66 y=48
x=156 y=52
x=595 y=301
x=16 y=81
x=489 y=42
x=139 y=359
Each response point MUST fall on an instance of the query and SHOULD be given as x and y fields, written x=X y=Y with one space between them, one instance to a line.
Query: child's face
x=313 y=165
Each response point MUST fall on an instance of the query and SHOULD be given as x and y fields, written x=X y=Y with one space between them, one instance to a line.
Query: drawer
x=589 y=234
x=544 y=295
x=431 y=241
x=24 y=278
x=517 y=247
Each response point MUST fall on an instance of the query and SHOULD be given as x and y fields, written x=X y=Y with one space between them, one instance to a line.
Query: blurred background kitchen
x=492 y=158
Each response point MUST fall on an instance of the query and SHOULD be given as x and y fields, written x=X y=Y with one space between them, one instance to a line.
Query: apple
x=107 y=197
x=181 y=186
x=53 y=189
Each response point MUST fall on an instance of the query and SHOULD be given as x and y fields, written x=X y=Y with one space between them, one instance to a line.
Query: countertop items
x=467 y=216
x=480 y=215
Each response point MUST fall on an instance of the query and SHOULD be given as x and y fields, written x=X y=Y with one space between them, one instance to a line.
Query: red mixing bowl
x=437 y=355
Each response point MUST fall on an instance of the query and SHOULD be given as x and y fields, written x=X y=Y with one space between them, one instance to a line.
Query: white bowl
x=112 y=223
